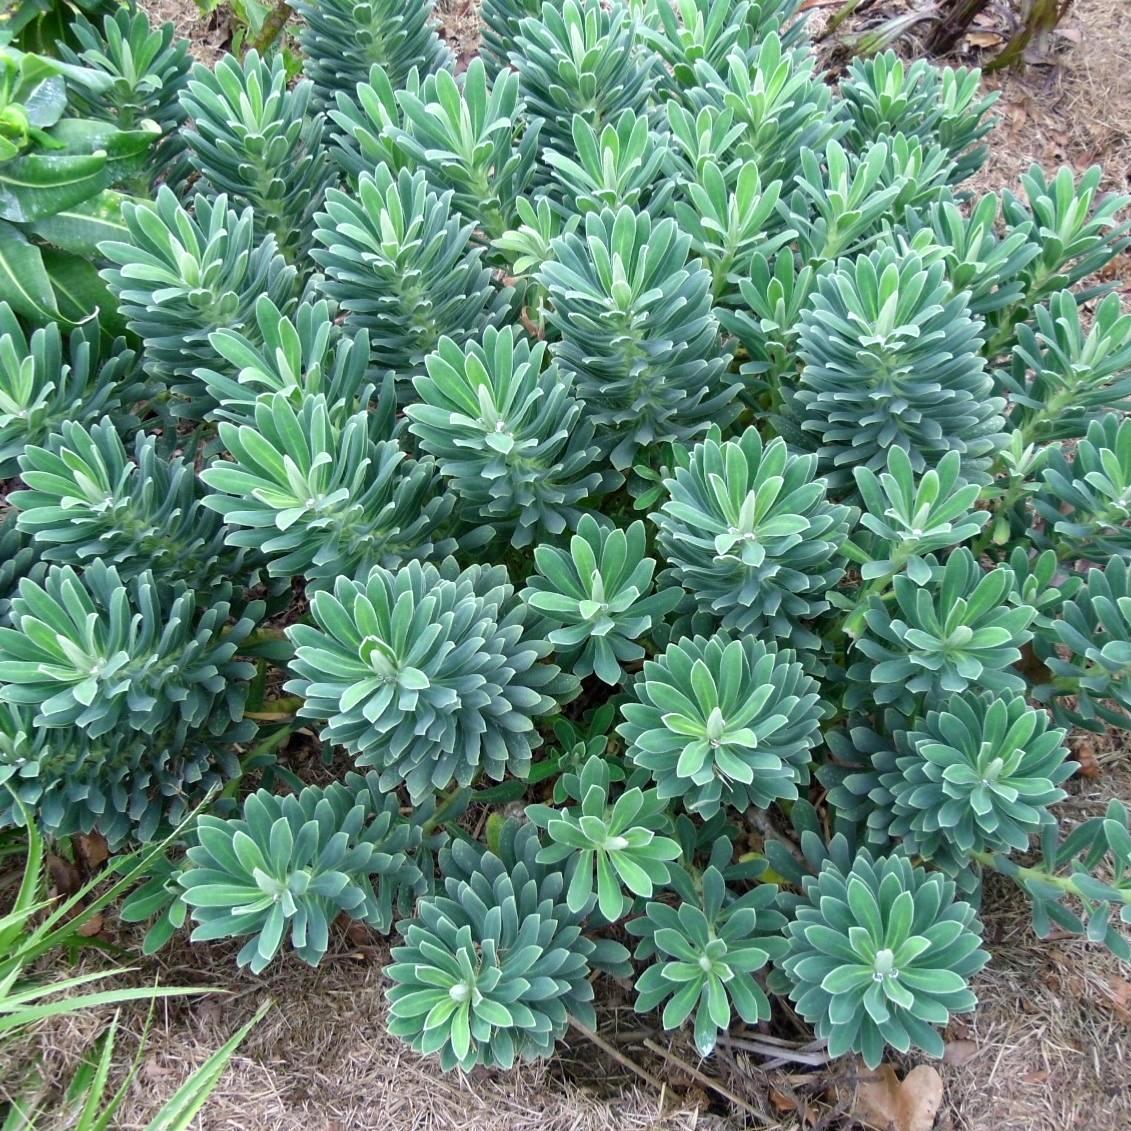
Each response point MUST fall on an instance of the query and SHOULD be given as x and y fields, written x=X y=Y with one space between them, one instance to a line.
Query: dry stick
x=615 y=1053
x=702 y=1078
x=780 y=1053
x=762 y=824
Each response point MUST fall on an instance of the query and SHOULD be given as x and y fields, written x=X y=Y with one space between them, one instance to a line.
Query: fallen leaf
x=359 y=934
x=959 y=1052
x=1084 y=751
x=889 y=1104
x=65 y=876
x=781 y=1101
x=92 y=926
x=93 y=849
x=1119 y=991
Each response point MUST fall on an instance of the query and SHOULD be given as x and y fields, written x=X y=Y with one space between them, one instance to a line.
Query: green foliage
x=123 y=700
x=147 y=68
x=613 y=846
x=179 y=277
x=48 y=379
x=881 y=954
x=1085 y=501
x=400 y=264
x=778 y=106
x=314 y=493
x=954 y=630
x=988 y=266
x=491 y=970
x=705 y=955
x=1091 y=866
x=256 y=140
x=530 y=245
x=910 y=517
x=300 y=356
x=622 y=164
x=342 y=39
x=511 y=441
x=429 y=674
x=748 y=531
x=17 y=559
x=368 y=123
x=499 y=22
x=891 y=356
x=1064 y=371
x=290 y=865
x=98 y=653
x=599 y=598
x=396 y=390
x=124 y=784
x=1093 y=663
x=55 y=173
x=976 y=776
x=1076 y=227
x=87 y=499
x=883 y=97
x=729 y=225
x=637 y=331
x=470 y=137
x=581 y=58
x=723 y=721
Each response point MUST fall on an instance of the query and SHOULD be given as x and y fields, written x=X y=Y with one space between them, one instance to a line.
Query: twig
x=616 y=1054
x=702 y=1078
x=762 y=824
x=781 y=1054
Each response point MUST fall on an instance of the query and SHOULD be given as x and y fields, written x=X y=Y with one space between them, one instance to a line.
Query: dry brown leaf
x=959 y=1052
x=1084 y=751
x=889 y=1104
x=1119 y=991
x=65 y=876
x=92 y=849
x=92 y=926
x=781 y=1101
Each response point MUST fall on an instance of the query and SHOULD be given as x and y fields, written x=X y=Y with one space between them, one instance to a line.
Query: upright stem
x=273 y=26
x=955 y=18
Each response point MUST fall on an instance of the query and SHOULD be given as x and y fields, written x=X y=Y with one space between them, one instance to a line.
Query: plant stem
x=273 y=26
x=1065 y=883
x=271 y=743
x=448 y=802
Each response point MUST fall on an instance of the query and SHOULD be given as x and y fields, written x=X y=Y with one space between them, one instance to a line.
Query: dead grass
x=322 y=1061
x=1052 y=1032
x=1076 y=112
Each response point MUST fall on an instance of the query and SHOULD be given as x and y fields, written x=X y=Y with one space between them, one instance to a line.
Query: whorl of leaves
x=429 y=674
x=723 y=721
x=342 y=39
x=492 y=968
x=881 y=954
x=510 y=439
x=637 y=332
x=748 y=531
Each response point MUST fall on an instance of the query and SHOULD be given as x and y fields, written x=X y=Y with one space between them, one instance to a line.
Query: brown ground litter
x=1049 y=1048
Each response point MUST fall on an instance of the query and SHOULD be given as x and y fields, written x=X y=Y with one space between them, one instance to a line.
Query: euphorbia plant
x=697 y=515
